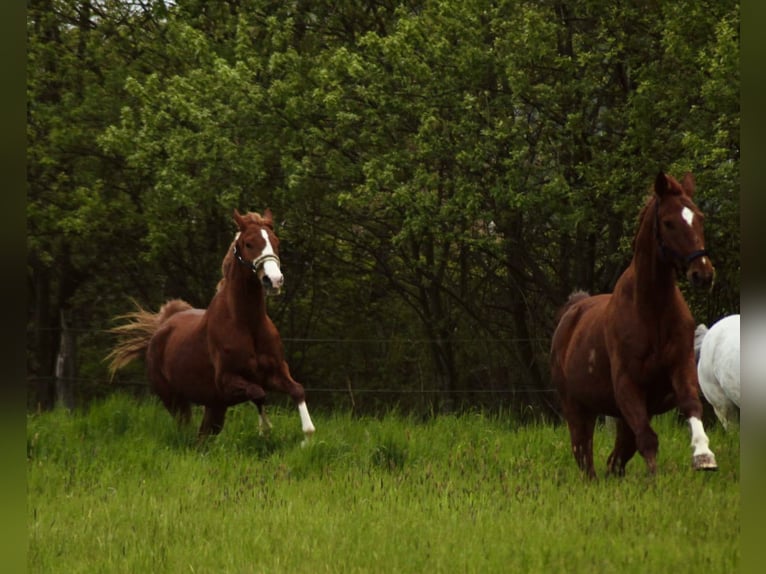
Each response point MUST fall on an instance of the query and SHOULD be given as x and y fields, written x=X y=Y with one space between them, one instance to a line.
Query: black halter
x=668 y=252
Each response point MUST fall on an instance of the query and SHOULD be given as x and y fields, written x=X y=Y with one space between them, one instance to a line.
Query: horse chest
x=647 y=361
x=249 y=357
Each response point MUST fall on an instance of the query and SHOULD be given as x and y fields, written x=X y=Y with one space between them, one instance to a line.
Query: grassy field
x=121 y=489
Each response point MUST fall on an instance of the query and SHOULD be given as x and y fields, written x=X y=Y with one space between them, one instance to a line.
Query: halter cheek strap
x=256 y=263
x=695 y=255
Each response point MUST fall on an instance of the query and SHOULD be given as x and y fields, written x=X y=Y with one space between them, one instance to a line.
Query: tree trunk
x=42 y=352
x=66 y=366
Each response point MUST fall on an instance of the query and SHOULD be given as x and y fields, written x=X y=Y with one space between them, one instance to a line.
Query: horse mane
x=674 y=188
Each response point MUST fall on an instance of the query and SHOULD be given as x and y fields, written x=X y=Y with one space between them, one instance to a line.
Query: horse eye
x=668 y=224
x=249 y=245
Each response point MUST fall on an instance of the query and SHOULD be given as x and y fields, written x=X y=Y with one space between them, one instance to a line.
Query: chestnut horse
x=229 y=353
x=630 y=354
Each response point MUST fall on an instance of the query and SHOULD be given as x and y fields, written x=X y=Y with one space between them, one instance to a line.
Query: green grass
x=121 y=489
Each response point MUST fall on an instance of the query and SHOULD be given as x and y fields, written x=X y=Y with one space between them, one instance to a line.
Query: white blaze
x=270 y=267
x=688 y=215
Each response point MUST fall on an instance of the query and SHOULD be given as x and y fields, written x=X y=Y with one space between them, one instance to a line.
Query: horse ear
x=688 y=184
x=661 y=184
x=239 y=220
x=268 y=218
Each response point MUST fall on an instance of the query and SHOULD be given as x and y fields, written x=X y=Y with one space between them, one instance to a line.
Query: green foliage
x=119 y=489
x=444 y=171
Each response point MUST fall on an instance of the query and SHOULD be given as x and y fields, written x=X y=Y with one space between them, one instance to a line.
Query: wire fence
x=372 y=372
x=310 y=389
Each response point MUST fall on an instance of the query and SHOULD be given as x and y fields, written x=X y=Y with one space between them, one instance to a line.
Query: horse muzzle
x=272 y=286
x=266 y=267
x=700 y=271
x=271 y=278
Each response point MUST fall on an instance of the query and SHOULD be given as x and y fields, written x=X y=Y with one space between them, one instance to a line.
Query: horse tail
x=574 y=297
x=135 y=334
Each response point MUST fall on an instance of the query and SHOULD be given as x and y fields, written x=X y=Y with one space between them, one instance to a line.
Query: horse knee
x=256 y=394
x=647 y=442
x=297 y=393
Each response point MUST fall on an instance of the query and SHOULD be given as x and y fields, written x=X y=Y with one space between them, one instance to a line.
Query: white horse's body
x=718 y=367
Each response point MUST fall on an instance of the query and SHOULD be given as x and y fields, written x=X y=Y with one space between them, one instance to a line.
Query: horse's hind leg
x=179 y=409
x=727 y=413
x=182 y=412
x=212 y=421
x=581 y=424
x=624 y=449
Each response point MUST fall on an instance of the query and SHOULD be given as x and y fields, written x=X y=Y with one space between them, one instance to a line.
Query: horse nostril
x=700 y=279
x=266 y=281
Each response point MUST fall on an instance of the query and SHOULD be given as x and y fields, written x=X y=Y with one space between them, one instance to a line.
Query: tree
x=79 y=200
x=443 y=173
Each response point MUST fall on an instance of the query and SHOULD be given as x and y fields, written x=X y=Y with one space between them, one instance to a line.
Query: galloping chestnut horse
x=228 y=354
x=630 y=354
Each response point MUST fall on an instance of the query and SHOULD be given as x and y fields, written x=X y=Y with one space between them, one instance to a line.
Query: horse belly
x=185 y=366
x=585 y=374
x=589 y=380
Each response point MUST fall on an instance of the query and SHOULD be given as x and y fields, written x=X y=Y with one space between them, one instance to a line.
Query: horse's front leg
x=306 y=424
x=284 y=381
x=631 y=400
x=235 y=388
x=264 y=424
x=624 y=448
x=686 y=385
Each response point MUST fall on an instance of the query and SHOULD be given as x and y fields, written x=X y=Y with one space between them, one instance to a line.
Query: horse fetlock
x=264 y=426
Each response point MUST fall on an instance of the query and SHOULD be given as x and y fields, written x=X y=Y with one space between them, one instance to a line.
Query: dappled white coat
x=717 y=350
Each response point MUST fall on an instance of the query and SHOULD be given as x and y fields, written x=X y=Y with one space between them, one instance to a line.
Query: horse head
x=678 y=228
x=257 y=247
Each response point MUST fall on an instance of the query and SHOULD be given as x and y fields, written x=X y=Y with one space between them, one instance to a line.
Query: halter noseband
x=256 y=263
x=664 y=249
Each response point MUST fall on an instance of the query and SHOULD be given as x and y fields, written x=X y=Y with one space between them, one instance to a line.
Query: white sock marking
x=308 y=426
x=699 y=438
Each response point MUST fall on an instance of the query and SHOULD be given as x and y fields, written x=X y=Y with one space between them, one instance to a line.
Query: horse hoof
x=306 y=440
x=704 y=462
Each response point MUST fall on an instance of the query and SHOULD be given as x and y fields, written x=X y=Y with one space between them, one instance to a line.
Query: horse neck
x=655 y=279
x=245 y=294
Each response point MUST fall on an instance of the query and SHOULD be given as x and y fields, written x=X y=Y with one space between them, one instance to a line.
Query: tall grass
x=121 y=489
